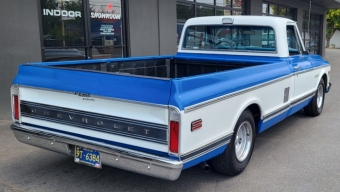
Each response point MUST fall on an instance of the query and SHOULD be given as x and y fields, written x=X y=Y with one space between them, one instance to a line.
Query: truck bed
x=162 y=67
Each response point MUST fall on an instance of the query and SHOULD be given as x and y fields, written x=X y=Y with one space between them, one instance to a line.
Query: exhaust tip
x=205 y=166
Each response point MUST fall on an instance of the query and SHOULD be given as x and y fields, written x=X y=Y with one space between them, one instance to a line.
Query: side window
x=294 y=44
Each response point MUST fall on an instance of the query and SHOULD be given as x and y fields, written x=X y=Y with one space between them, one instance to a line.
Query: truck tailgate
x=121 y=110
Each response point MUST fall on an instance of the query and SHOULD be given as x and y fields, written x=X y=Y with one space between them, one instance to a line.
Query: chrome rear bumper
x=146 y=164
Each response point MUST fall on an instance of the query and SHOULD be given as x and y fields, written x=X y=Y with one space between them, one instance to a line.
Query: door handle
x=297 y=67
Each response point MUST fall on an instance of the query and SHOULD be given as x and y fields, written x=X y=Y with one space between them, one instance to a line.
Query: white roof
x=241 y=20
x=277 y=23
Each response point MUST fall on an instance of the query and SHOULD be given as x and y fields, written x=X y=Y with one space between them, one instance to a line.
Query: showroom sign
x=105 y=16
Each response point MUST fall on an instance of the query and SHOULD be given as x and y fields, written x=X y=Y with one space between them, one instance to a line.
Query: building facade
x=57 y=30
x=335 y=40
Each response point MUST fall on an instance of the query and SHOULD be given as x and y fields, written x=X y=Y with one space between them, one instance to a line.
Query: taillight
x=15 y=102
x=16 y=107
x=174 y=130
x=174 y=136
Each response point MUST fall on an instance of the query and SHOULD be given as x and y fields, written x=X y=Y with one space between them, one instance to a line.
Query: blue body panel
x=196 y=89
x=262 y=126
x=205 y=157
x=94 y=61
x=299 y=106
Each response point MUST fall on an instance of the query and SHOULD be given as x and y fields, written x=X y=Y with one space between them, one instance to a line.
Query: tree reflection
x=59 y=30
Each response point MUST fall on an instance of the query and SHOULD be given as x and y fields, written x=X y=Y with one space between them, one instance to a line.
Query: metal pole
x=63 y=24
x=310 y=38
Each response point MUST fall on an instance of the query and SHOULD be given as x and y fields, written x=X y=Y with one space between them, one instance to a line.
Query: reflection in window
x=237 y=3
x=311 y=32
x=223 y=3
x=204 y=11
x=273 y=9
x=64 y=54
x=62 y=23
x=290 y=13
x=237 y=13
x=106 y=52
x=282 y=11
x=106 y=22
x=222 y=12
x=294 y=45
x=264 y=8
x=232 y=38
x=179 y=31
x=210 y=2
x=185 y=11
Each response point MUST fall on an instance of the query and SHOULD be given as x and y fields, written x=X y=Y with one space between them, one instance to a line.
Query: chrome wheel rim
x=243 y=141
x=319 y=98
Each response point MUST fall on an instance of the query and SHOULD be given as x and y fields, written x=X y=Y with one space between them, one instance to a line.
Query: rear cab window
x=230 y=38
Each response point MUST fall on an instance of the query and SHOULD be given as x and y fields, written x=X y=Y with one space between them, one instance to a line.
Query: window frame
x=231 y=9
x=298 y=38
x=87 y=32
x=279 y=6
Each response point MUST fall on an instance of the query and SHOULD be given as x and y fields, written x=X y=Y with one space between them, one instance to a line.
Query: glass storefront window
x=204 y=11
x=282 y=11
x=311 y=32
x=237 y=12
x=65 y=36
x=63 y=23
x=273 y=9
x=222 y=12
x=223 y=3
x=264 y=8
x=278 y=10
x=237 y=3
x=210 y=2
x=290 y=13
x=66 y=54
x=106 y=22
x=106 y=52
x=185 y=11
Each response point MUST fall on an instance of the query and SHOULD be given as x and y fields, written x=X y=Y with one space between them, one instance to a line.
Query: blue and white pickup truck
x=232 y=78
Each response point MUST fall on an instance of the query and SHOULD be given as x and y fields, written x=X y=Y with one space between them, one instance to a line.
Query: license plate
x=87 y=156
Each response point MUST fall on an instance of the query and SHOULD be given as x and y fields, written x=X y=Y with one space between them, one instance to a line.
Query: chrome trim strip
x=156 y=132
x=97 y=115
x=206 y=148
x=310 y=69
x=63 y=67
x=98 y=97
x=301 y=99
x=230 y=95
x=287 y=107
x=278 y=111
x=147 y=164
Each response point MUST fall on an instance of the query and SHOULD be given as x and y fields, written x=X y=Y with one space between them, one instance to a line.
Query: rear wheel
x=237 y=155
x=314 y=108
